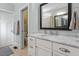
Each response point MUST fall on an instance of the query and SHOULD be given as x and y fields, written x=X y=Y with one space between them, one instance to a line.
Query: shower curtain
x=6 y=36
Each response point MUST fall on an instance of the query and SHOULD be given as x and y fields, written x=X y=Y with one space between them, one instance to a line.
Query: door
x=25 y=27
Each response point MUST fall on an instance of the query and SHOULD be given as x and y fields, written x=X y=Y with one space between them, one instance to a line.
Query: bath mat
x=5 y=51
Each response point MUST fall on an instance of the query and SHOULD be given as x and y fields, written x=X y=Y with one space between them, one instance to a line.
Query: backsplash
x=73 y=33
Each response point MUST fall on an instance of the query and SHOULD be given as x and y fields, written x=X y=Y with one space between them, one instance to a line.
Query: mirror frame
x=69 y=18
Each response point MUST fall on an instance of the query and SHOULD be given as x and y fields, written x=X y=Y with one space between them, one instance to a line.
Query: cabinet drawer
x=66 y=50
x=42 y=52
x=57 y=54
x=44 y=43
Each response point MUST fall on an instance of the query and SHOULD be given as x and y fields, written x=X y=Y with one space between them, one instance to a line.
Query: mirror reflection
x=55 y=15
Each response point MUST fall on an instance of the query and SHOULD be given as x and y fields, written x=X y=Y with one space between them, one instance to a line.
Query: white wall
x=46 y=22
x=7 y=6
x=5 y=29
x=33 y=17
x=34 y=24
x=6 y=15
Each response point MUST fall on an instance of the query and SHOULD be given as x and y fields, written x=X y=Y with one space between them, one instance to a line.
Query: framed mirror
x=56 y=16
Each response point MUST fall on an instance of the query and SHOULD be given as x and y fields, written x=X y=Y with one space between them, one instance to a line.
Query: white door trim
x=22 y=27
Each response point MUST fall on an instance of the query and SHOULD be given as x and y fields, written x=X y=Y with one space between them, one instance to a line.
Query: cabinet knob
x=64 y=50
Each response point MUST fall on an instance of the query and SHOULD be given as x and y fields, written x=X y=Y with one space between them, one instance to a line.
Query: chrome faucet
x=45 y=32
x=54 y=33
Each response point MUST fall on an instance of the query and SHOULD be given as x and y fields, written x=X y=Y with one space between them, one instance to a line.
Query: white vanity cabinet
x=39 y=46
x=64 y=50
x=43 y=48
x=55 y=53
x=42 y=52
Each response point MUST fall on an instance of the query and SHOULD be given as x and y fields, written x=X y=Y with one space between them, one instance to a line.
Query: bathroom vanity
x=54 y=16
x=53 y=45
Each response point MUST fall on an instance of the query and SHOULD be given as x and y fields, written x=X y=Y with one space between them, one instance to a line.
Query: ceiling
x=52 y=8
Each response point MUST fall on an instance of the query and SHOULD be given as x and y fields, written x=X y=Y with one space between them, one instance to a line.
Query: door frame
x=22 y=26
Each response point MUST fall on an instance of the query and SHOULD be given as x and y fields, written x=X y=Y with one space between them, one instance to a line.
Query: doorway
x=25 y=26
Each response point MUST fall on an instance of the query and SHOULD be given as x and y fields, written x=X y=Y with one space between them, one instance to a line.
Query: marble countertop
x=72 y=41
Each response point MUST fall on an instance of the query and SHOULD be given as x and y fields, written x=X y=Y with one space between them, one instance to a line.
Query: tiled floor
x=20 y=52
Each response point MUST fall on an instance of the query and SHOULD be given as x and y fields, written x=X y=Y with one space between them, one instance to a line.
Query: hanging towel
x=77 y=22
x=72 y=23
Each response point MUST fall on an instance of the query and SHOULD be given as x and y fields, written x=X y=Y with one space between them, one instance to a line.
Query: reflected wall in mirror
x=55 y=16
x=61 y=21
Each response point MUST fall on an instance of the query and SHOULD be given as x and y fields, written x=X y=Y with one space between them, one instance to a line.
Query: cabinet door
x=31 y=51
x=31 y=46
x=57 y=54
x=44 y=43
x=66 y=50
x=42 y=52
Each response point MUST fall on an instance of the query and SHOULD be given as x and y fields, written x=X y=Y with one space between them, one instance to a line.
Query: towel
x=77 y=25
x=72 y=23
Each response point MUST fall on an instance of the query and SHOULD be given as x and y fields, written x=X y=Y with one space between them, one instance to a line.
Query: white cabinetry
x=57 y=54
x=42 y=52
x=44 y=43
x=43 y=47
x=39 y=47
x=31 y=46
x=65 y=50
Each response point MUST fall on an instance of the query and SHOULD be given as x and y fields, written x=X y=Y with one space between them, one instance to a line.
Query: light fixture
x=60 y=13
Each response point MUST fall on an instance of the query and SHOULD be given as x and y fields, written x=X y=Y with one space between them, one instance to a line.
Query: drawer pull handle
x=64 y=50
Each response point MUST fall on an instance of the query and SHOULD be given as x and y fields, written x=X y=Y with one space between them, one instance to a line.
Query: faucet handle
x=45 y=32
